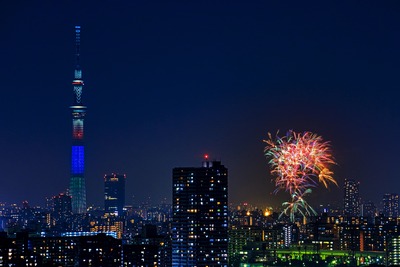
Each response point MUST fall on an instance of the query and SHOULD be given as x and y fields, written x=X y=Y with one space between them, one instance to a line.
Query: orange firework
x=299 y=161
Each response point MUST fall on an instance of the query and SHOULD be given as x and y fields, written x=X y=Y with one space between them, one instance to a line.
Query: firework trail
x=299 y=161
x=297 y=205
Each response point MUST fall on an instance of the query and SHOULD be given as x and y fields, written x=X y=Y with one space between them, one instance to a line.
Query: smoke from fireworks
x=299 y=162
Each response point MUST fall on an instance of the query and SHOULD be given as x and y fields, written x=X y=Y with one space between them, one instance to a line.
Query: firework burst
x=299 y=161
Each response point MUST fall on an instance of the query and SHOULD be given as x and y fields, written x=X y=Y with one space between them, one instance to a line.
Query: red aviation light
x=206 y=156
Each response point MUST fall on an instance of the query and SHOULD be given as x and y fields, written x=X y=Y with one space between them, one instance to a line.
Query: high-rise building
x=368 y=211
x=146 y=249
x=62 y=207
x=200 y=215
x=351 y=198
x=239 y=237
x=391 y=205
x=394 y=251
x=114 y=193
x=61 y=213
x=77 y=187
x=290 y=233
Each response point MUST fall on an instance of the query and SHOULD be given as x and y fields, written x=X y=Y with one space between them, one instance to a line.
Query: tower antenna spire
x=77 y=44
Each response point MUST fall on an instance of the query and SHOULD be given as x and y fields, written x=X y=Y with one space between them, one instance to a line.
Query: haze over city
x=166 y=83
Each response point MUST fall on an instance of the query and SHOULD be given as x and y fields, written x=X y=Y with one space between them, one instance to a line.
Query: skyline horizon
x=338 y=203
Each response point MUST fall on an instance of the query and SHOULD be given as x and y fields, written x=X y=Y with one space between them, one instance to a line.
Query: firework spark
x=299 y=161
x=298 y=205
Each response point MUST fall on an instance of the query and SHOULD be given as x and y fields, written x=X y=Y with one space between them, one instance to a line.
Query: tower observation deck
x=77 y=187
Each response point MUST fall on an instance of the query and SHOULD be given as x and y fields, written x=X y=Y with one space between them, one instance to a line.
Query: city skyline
x=168 y=83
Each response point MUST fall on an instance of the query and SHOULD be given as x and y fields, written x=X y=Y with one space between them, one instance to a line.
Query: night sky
x=166 y=83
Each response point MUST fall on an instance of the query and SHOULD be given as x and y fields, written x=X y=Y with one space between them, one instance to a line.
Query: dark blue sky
x=167 y=82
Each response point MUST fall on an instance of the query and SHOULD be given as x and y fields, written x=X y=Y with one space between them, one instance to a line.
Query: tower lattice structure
x=77 y=188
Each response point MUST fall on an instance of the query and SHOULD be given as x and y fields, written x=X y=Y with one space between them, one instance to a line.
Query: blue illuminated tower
x=77 y=187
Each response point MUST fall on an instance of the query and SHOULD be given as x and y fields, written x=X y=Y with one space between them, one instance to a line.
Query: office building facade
x=391 y=205
x=351 y=201
x=114 y=193
x=200 y=215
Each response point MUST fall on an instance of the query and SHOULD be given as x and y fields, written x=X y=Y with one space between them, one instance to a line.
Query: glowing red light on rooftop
x=206 y=156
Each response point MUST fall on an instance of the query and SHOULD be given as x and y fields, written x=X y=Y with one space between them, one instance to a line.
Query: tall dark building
x=391 y=205
x=351 y=198
x=61 y=213
x=77 y=187
x=114 y=193
x=200 y=215
x=145 y=249
x=369 y=211
x=62 y=207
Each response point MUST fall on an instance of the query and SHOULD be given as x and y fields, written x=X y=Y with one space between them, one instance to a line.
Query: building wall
x=200 y=216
